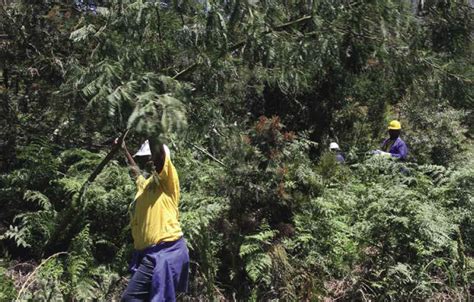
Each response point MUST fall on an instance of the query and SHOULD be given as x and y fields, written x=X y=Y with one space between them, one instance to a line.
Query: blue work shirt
x=397 y=149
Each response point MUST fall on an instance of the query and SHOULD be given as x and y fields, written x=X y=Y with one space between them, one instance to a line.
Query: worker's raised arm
x=165 y=170
x=158 y=154
x=131 y=163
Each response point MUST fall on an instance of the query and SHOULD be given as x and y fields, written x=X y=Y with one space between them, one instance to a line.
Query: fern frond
x=39 y=198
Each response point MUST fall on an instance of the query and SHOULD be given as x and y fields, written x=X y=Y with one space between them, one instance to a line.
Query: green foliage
x=127 y=84
x=106 y=200
x=49 y=282
x=257 y=261
x=443 y=133
x=396 y=229
x=145 y=116
x=78 y=265
x=34 y=228
x=330 y=170
x=198 y=215
x=247 y=95
x=7 y=289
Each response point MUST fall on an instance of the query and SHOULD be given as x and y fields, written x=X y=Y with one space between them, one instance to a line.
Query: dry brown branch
x=27 y=282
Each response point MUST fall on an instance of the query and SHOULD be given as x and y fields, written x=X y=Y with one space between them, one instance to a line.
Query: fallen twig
x=27 y=282
x=207 y=153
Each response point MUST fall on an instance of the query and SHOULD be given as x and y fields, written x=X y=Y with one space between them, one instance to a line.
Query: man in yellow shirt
x=160 y=262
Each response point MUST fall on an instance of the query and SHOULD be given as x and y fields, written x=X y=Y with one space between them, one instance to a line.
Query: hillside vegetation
x=247 y=95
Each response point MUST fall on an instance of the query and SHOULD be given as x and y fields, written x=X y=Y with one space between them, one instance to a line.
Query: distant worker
x=334 y=147
x=394 y=146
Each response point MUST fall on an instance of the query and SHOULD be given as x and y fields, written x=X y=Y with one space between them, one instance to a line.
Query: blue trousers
x=138 y=288
x=159 y=272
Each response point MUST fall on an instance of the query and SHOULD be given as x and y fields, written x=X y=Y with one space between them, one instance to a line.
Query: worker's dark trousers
x=139 y=287
x=159 y=271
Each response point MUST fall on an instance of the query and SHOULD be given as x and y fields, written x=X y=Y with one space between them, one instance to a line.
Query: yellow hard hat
x=394 y=125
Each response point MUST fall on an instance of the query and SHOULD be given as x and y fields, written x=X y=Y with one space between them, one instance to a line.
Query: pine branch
x=241 y=43
x=185 y=71
x=456 y=76
x=290 y=23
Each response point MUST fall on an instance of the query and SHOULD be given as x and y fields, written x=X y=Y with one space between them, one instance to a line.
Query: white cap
x=144 y=149
x=333 y=146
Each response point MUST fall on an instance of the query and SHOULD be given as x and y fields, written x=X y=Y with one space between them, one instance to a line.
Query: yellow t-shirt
x=155 y=218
